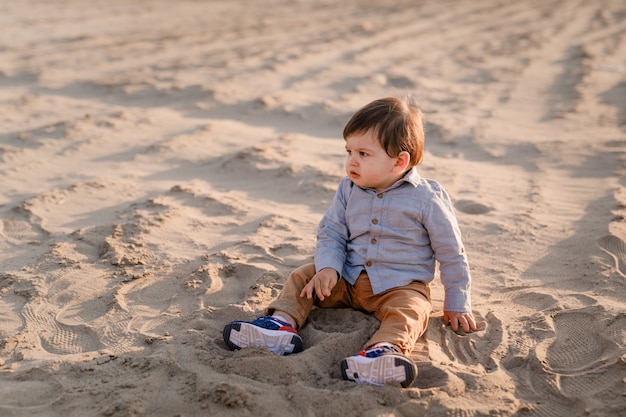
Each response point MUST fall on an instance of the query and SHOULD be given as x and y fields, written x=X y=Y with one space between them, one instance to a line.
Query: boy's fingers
x=454 y=324
x=306 y=291
x=468 y=320
x=326 y=288
x=465 y=325
x=472 y=324
x=318 y=289
x=321 y=288
x=465 y=321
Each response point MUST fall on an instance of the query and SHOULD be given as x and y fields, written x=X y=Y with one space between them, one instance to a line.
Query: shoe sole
x=241 y=335
x=379 y=371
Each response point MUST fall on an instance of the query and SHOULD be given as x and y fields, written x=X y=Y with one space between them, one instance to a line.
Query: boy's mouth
x=354 y=175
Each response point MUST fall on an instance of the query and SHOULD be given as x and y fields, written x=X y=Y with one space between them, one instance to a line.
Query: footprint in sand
x=79 y=328
x=472 y=207
x=56 y=337
x=18 y=226
x=111 y=325
x=18 y=230
x=577 y=345
x=31 y=391
x=615 y=247
x=579 y=365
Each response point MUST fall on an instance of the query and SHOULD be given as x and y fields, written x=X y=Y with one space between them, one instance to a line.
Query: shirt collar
x=412 y=177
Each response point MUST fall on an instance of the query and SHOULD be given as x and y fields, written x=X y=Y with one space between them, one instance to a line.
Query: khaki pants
x=403 y=312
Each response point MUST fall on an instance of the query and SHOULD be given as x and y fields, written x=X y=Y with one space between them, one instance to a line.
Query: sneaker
x=265 y=332
x=379 y=365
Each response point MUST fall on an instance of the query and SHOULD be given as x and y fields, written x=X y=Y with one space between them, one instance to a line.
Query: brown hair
x=398 y=125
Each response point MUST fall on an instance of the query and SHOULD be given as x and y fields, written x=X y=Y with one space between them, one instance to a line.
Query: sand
x=164 y=165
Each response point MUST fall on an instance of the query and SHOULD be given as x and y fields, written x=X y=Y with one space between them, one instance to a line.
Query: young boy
x=376 y=251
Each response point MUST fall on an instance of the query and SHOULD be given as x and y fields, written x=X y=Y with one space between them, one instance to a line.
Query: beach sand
x=164 y=165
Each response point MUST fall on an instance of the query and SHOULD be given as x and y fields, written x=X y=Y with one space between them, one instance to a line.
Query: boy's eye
x=363 y=153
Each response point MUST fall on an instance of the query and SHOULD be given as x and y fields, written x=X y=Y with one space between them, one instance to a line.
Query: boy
x=376 y=250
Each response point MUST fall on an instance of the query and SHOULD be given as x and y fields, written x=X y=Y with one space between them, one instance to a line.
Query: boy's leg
x=403 y=313
x=277 y=334
x=276 y=331
x=289 y=301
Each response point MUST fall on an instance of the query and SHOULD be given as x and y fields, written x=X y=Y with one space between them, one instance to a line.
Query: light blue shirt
x=396 y=235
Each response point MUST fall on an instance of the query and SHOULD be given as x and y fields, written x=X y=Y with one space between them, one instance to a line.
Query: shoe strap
x=380 y=349
x=283 y=325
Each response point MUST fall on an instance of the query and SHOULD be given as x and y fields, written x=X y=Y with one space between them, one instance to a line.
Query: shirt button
x=379 y=195
x=374 y=221
x=373 y=241
x=368 y=263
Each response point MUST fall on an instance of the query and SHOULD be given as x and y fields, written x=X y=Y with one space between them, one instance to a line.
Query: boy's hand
x=322 y=283
x=464 y=320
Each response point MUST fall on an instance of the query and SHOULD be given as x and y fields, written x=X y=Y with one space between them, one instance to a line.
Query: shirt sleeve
x=445 y=240
x=332 y=232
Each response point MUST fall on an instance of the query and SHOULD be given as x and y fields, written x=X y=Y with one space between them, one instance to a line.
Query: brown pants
x=403 y=312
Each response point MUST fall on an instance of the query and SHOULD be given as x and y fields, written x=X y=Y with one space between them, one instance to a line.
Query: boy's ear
x=402 y=161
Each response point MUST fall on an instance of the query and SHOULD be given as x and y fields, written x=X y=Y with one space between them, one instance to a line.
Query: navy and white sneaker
x=265 y=332
x=379 y=365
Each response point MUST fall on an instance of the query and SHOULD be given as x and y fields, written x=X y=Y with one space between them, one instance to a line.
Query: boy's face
x=367 y=163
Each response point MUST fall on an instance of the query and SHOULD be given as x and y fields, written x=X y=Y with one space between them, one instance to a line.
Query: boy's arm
x=332 y=233
x=445 y=239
